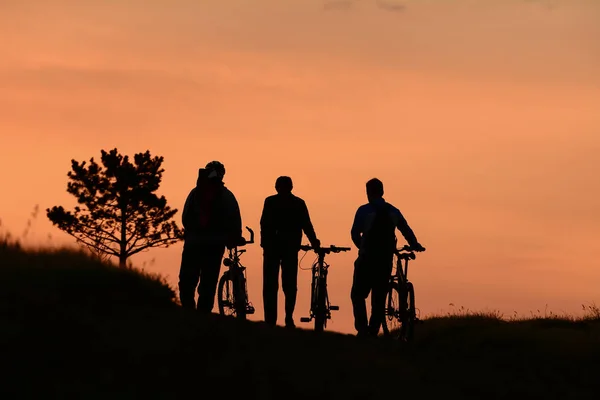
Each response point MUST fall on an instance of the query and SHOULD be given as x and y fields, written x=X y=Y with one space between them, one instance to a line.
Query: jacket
x=211 y=215
x=284 y=218
x=363 y=223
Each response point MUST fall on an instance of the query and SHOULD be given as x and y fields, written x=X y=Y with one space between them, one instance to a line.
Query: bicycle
x=320 y=308
x=232 y=289
x=400 y=312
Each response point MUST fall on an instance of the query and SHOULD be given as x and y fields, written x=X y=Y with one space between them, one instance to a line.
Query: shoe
x=373 y=334
x=362 y=334
x=188 y=305
x=289 y=323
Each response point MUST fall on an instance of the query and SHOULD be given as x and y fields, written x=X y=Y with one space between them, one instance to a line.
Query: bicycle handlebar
x=242 y=241
x=410 y=255
x=251 y=236
x=325 y=250
x=408 y=248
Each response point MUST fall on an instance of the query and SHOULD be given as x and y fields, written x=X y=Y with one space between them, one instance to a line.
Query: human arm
x=187 y=213
x=233 y=220
x=267 y=223
x=406 y=231
x=307 y=226
x=357 y=228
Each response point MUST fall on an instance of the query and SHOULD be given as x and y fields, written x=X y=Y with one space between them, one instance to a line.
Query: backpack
x=205 y=198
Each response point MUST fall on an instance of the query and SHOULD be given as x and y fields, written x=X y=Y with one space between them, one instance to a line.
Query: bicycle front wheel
x=409 y=316
x=226 y=298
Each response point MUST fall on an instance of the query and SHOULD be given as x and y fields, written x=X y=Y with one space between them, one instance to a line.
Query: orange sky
x=480 y=118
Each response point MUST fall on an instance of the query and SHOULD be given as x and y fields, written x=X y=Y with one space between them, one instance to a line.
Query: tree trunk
x=123 y=252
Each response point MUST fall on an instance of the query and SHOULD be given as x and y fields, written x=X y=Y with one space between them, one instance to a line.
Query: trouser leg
x=381 y=270
x=189 y=274
x=210 y=267
x=271 y=263
x=361 y=286
x=289 y=283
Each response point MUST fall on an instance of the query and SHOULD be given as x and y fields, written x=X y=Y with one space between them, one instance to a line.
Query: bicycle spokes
x=233 y=292
x=400 y=312
x=227 y=300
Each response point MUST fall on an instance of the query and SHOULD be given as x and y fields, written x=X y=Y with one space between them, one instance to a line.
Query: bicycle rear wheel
x=240 y=295
x=226 y=299
x=320 y=312
x=409 y=316
x=394 y=304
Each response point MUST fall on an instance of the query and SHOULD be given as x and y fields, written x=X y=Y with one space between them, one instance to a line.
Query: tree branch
x=97 y=244
x=133 y=244
x=97 y=229
x=152 y=243
x=93 y=244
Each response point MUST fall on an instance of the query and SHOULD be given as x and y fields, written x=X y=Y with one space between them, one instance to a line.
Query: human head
x=215 y=170
x=374 y=189
x=283 y=185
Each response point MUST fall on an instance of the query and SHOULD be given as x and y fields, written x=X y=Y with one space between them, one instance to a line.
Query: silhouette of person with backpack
x=212 y=221
x=284 y=218
x=374 y=234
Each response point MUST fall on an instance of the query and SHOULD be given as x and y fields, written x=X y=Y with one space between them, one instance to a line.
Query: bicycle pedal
x=304 y=319
x=334 y=308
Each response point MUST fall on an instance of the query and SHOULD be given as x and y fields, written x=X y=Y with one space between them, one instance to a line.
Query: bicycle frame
x=404 y=312
x=401 y=275
x=237 y=274
x=319 y=273
x=320 y=307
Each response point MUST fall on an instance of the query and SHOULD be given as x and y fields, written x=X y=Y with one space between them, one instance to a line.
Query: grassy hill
x=74 y=327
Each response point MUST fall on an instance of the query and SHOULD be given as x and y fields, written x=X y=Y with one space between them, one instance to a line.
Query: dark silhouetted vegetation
x=73 y=326
x=121 y=215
